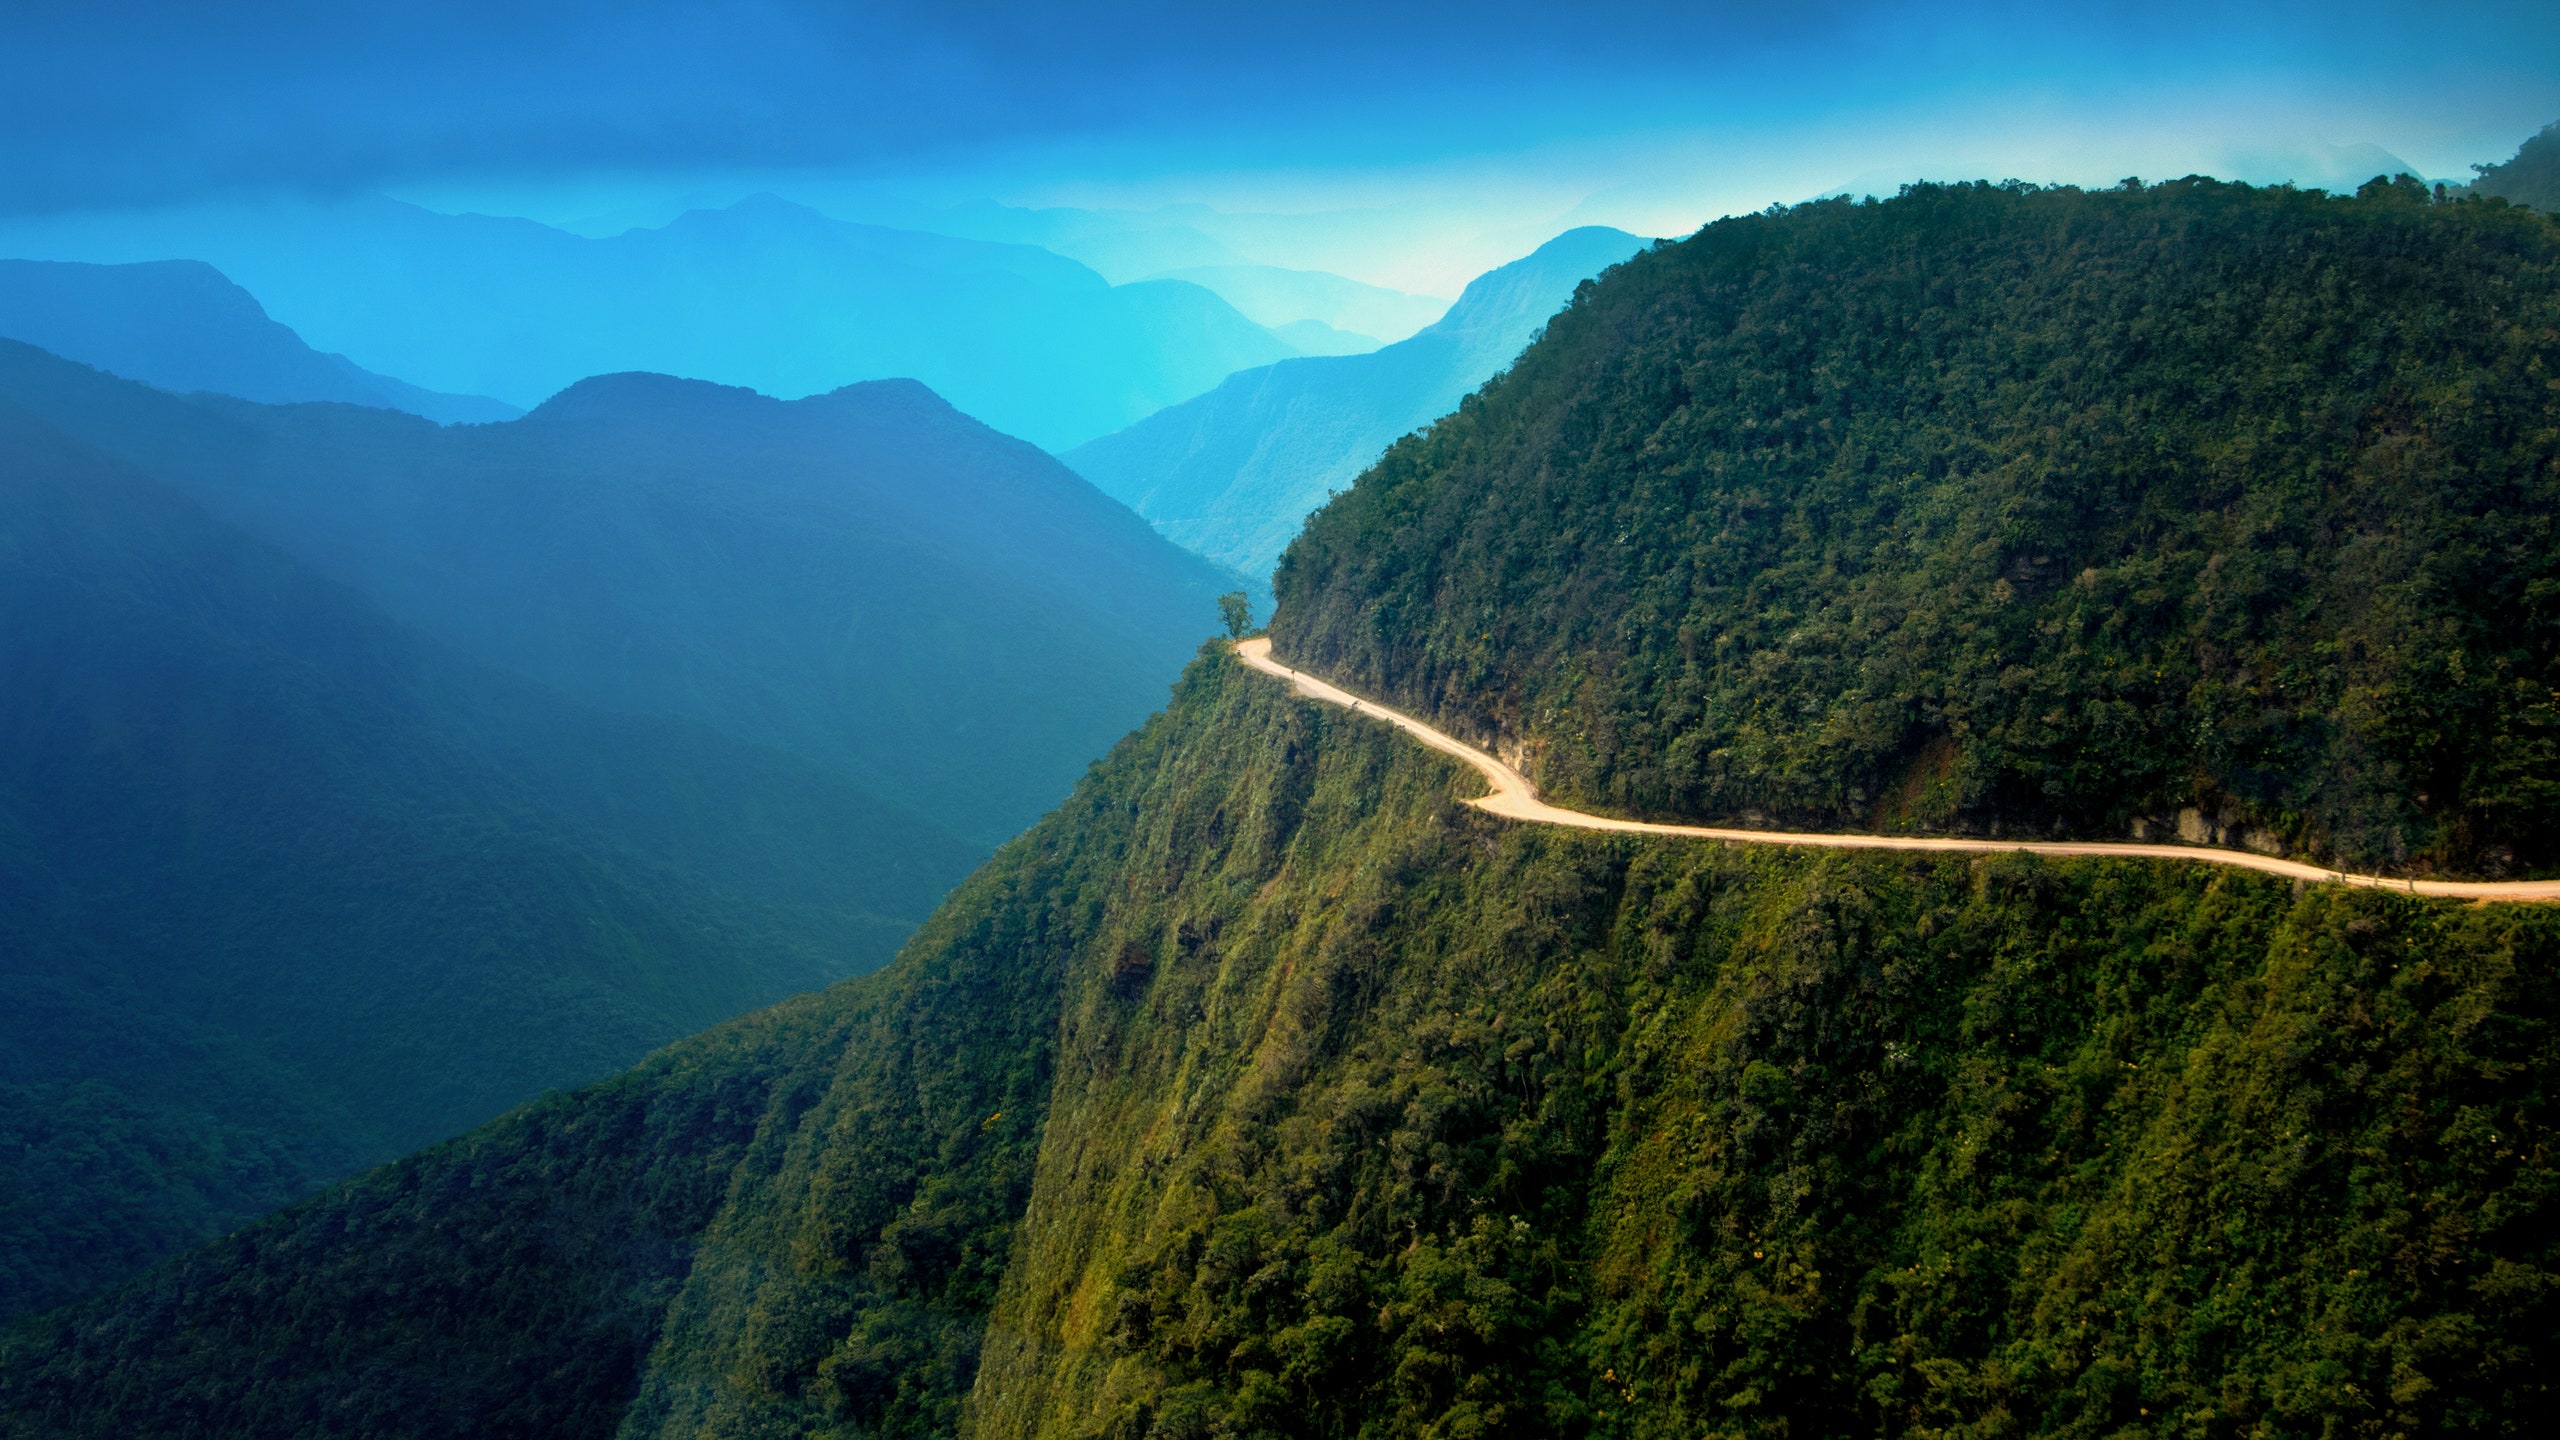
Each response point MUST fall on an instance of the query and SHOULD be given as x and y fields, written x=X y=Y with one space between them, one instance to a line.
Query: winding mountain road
x=1515 y=798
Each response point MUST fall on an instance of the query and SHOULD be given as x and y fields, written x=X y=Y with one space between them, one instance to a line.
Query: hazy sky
x=1457 y=131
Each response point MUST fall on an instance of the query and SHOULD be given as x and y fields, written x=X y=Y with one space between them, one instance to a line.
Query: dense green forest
x=1266 y=1090
x=2005 y=509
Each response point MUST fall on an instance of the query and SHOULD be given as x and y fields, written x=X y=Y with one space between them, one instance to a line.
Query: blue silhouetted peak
x=182 y=325
x=639 y=402
x=641 y=395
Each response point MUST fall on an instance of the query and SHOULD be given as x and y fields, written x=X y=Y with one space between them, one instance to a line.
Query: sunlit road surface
x=1515 y=798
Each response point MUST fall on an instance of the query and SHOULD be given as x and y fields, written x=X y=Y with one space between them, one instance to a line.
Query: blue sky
x=1442 y=137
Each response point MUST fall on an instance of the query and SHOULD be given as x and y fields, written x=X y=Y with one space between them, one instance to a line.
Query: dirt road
x=1515 y=798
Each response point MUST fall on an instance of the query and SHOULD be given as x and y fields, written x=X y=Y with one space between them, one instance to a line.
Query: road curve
x=1515 y=798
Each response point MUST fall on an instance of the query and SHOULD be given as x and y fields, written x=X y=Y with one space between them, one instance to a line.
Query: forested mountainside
x=1234 y=473
x=180 y=325
x=2192 y=509
x=868 y=580
x=2531 y=176
x=287 y=889
x=1265 y=1090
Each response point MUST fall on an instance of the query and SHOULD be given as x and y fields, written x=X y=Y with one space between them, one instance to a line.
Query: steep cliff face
x=1266 y=1090
x=797 y=1219
x=1233 y=811
x=1481 y=1129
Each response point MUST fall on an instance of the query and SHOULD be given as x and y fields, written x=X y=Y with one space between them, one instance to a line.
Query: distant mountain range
x=1169 y=245
x=1232 y=473
x=870 y=580
x=1178 y=242
x=180 y=325
x=1315 y=337
x=1407 y=240
x=1278 y=298
x=763 y=294
x=1119 y=244
x=287 y=888
x=360 y=777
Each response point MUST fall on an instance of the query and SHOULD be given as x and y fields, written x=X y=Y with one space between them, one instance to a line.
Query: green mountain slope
x=2192 y=510
x=1265 y=1090
x=180 y=325
x=286 y=889
x=1233 y=473
x=868 y=580
x=2531 y=176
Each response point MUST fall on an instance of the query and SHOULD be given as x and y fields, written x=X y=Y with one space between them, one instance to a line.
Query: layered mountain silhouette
x=180 y=325
x=1121 y=244
x=868 y=579
x=1280 y=298
x=1233 y=473
x=764 y=294
x=287 y=888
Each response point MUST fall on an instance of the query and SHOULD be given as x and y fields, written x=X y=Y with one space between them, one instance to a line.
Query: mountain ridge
x=766 y=294
x=182 y=325
x=1231 y=474
x=295 y=890
x=1272 y=296
x=869 y=579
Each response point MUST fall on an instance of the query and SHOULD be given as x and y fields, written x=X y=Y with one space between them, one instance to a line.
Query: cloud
x=149 y=101
x=138 y=100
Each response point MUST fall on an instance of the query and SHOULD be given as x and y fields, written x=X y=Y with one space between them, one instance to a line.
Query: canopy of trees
x=2001 y=509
